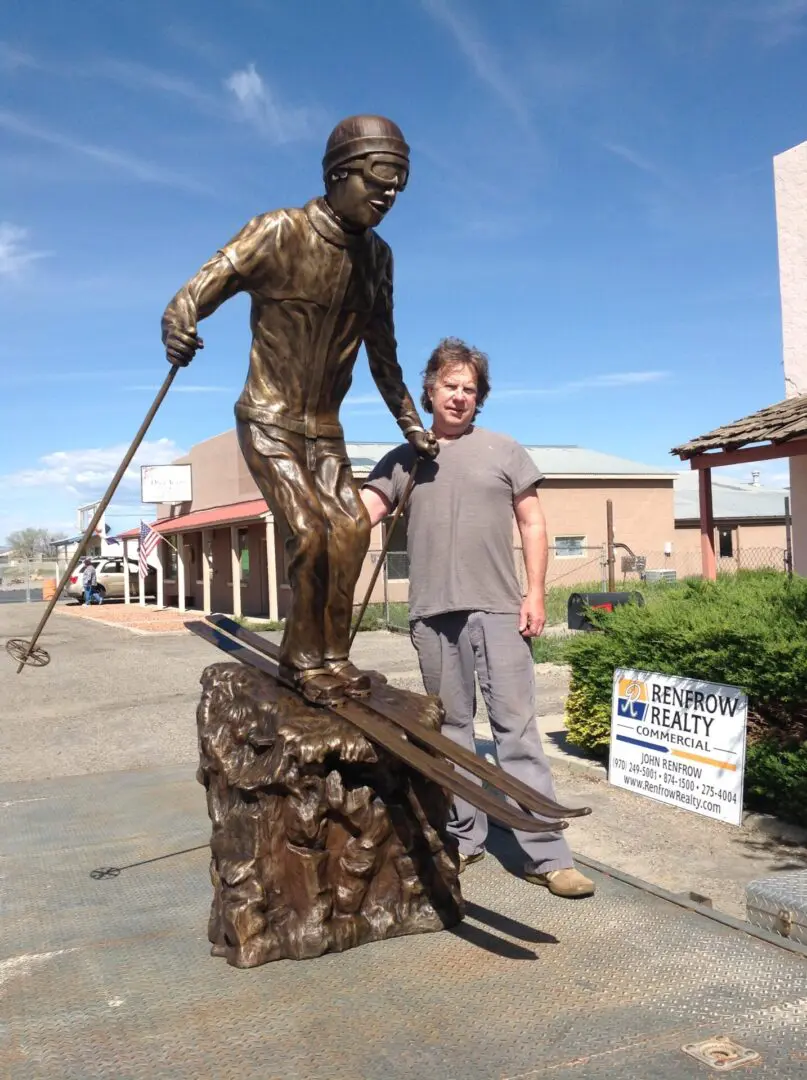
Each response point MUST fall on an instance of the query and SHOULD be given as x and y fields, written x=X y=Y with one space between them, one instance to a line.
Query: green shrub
x=776 y=780
x=749 y=630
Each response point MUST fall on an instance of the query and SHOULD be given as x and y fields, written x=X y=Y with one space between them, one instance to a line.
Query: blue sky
x=591 y=203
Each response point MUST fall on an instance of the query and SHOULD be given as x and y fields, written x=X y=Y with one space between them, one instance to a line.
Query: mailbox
x=603 y=601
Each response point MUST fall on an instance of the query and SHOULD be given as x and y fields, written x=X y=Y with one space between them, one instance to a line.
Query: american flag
x=149 y=539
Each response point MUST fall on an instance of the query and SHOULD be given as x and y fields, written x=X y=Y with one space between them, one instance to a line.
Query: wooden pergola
x=778 y=431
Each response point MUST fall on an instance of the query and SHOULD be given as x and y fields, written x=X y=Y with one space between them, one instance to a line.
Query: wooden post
x=611 y=557
x=141 y=583
x=205 y=568
x=707 y=521
x=158 y=551
x=788 y=539
x=271 y=569
x=235 y=570
x=182 y=572
x=127 y=587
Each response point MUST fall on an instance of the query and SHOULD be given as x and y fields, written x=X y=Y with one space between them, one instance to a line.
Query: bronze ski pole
x=25 y=651
x=398 y=511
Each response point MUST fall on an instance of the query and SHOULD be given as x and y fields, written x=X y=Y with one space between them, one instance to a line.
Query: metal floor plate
x=113 y=978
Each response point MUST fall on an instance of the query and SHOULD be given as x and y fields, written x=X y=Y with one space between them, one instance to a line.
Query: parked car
x=109 y=578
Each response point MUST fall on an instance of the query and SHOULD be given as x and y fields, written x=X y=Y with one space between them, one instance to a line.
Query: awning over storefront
x=205 y=519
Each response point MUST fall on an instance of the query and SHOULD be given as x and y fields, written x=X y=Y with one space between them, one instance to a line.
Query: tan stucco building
x=777 y=431
x=790 y=177
x=226 y=534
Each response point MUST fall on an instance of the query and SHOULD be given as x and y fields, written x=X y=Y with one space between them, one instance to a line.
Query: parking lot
x=112 y=977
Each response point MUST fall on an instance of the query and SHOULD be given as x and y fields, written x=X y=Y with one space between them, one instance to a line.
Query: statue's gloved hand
x=423 y=443
x=181 y=346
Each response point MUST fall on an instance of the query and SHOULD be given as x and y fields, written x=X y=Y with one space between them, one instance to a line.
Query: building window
x=397 y=558
x=726 y=543
x=570 y=547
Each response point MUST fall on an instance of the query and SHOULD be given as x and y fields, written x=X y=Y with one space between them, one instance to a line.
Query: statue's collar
x=329 y=227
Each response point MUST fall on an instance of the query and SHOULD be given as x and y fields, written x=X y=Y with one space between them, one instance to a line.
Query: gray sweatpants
x=450 y=648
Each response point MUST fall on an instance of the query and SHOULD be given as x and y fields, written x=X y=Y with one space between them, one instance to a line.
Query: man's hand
x=423 y=443
x=532 y=618
x=181 y=346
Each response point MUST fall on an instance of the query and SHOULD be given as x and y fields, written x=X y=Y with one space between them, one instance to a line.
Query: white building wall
x=790 y=179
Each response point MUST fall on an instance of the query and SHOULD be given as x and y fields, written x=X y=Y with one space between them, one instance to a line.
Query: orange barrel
x=48 y=588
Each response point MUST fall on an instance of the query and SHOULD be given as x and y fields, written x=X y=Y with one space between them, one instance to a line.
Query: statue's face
x=366 y=192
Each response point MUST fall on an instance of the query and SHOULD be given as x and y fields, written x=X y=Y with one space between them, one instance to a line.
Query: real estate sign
x=679 y=741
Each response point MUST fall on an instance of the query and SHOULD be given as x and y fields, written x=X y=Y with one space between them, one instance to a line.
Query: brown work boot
x=356 y=683
x=316 y=685
x=468 y=860
x=569 y=883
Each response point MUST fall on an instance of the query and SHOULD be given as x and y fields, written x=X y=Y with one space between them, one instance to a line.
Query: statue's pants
x=308 y=485
x=453 y=647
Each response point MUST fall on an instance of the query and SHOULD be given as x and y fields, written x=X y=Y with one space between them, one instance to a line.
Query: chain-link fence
x=27 y=580
x=580 y=569
x=680 y=565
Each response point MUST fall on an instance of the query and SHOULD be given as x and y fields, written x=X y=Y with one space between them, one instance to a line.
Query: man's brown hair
x=451 y=352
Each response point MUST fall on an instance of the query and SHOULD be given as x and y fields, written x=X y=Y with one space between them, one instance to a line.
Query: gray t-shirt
x=460 y=521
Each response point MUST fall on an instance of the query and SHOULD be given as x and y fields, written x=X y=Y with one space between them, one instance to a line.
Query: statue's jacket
x=318 y=292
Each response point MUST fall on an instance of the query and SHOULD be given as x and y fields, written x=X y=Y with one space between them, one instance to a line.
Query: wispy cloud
x=183 y=388
x=86 y=473
x=356 y=400
x=134 y=167
x=38 y=377
x=608 y=381
x=11 y=58
x=140 y=77
x=486 y=64
x=634 y=158
x=15 y=254
x=257 y=104
x=777 y=21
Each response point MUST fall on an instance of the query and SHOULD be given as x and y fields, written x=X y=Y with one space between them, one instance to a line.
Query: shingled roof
x=779 y=423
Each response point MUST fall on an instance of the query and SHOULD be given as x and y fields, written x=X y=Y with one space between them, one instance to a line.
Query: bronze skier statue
x=320 y=279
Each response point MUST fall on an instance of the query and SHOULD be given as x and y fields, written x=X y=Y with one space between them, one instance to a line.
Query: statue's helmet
x=373 y=137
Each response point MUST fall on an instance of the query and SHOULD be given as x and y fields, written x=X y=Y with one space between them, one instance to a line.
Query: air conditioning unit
x=660 y=575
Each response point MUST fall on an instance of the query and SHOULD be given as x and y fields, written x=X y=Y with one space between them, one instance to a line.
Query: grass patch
x=250 y=623
x=550 y=649
x=557 y=596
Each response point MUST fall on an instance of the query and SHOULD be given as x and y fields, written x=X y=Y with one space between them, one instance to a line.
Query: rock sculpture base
x=321 y=840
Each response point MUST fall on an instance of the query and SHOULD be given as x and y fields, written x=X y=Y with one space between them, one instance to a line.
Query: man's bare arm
x=377 y=505
x=532 y=529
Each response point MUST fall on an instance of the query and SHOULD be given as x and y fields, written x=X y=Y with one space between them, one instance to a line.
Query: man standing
x=89 y=580
x=466 y=611
x=321 y=285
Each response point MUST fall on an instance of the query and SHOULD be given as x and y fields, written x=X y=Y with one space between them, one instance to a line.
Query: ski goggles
x=382 y=170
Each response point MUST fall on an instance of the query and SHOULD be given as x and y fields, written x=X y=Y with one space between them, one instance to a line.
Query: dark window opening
x=397 y=559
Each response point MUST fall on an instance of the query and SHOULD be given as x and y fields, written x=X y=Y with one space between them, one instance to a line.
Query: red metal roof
x=205 y=519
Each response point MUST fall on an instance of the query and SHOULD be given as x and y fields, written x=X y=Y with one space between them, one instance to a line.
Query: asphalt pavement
x=111 y=700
